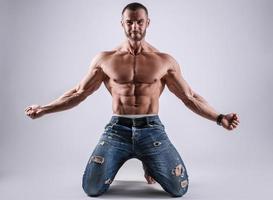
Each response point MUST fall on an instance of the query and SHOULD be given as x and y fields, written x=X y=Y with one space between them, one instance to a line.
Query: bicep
x=92 y=79
x=177 y=84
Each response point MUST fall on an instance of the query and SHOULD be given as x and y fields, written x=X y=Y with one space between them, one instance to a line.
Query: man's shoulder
x=165 y=56
x=169 y=61
x=104 y=54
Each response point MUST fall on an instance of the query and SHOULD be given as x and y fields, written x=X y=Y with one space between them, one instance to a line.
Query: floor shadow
x=136 y=189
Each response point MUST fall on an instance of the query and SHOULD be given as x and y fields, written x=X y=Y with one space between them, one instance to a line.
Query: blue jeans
x=142 y=138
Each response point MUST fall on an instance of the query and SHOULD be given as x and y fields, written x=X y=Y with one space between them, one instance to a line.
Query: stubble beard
x=128 y=35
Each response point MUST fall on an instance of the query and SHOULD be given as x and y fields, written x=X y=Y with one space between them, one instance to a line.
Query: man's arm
x=178 y=85
x=90 y=83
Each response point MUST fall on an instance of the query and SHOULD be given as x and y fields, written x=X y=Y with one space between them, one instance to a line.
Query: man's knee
x=180 y=190
x=94 y=188
x=93 y=191
x=178 y=193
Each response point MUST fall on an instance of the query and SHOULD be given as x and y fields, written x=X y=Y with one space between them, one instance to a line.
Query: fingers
x=28 y=108
x=31 y=113
x=231 y=121
x=232 y=125
x=236 y=117
x=234 y=122
x=28 y=112
x=31 y=107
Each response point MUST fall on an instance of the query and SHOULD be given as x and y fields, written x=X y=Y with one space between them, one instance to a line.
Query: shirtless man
x=135 y=74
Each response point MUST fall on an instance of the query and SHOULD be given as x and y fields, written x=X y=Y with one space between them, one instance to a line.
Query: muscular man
x=135 y=74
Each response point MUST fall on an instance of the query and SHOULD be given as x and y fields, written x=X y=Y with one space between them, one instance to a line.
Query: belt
x=129 y=122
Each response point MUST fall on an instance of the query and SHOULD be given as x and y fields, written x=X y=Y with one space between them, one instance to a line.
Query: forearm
x=201 y=107
x=66 y=101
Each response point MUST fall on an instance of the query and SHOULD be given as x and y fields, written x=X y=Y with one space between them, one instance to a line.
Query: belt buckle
x=141 y=122
x=124 y=122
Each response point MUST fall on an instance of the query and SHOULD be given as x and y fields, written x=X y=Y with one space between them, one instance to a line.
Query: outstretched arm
x=178 y=85
x=90 y=83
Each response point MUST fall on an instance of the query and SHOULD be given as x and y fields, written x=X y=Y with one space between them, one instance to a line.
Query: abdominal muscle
x=135 y=105
x=135 y=98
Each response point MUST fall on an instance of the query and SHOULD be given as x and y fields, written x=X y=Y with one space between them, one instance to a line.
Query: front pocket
x=155 y=124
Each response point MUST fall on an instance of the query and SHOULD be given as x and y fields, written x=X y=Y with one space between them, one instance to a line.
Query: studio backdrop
x=225 y=52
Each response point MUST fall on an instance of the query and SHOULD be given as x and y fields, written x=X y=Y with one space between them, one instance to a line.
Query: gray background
x=225 y=52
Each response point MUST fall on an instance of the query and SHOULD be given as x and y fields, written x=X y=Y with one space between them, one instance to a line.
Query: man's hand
x=230 y=121
x=34 y=111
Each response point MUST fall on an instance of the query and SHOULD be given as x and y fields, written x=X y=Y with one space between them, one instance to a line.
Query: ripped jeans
x=143 y=138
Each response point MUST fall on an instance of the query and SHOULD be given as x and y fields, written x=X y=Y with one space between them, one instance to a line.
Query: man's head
x=135 y=21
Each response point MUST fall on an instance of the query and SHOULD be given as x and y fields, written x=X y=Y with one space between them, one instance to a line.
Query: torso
x=134 y=81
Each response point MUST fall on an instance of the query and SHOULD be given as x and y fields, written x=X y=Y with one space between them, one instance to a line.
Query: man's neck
x=135 y=47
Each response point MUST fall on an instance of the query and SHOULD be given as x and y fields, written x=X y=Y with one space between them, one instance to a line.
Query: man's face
x=135 y=23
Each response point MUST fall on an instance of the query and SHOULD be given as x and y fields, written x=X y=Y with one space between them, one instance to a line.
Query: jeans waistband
x=139 y=121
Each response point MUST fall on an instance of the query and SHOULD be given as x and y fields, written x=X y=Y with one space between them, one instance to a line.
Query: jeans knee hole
x=184 y=183
x=96 y=159
x=178 y=170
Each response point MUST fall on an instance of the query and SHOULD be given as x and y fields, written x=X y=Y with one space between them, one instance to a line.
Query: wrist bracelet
x=219 y=119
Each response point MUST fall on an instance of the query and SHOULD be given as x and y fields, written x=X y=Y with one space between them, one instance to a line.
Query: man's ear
x=121 y=21
x=148 y=22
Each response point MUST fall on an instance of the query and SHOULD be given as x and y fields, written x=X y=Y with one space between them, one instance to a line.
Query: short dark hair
x=134 y=6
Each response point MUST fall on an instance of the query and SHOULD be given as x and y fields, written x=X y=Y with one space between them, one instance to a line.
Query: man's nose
x=135 y=26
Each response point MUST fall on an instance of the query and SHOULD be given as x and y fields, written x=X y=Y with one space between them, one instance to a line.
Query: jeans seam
x=110 y=124
x=161 y=127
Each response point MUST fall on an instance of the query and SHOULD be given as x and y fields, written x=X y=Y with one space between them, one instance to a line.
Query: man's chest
x=134 y=69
